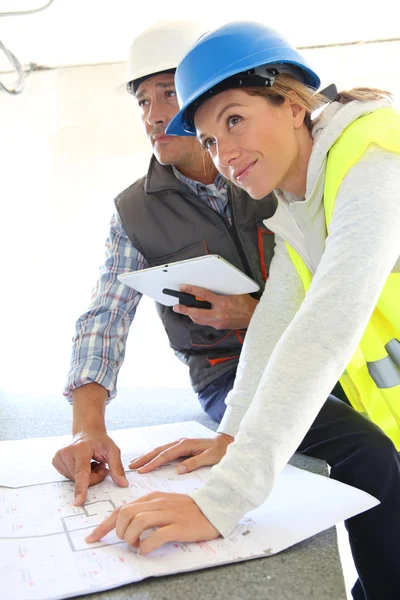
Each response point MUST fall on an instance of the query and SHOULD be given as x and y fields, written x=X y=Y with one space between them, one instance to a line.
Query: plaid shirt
x=99 y=344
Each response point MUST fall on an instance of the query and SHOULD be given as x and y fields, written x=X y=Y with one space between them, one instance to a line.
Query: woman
x=330 y=304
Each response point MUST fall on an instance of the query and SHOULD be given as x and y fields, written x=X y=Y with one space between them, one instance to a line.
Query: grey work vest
x=167 y=222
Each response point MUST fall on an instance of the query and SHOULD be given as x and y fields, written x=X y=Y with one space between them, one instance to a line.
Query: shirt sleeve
x=282 y=296
x=310 y=356
x=100 y=334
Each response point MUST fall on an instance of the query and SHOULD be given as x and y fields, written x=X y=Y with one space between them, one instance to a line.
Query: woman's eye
x=233 y=120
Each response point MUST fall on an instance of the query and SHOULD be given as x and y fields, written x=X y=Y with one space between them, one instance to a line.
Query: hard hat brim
x=177 y=124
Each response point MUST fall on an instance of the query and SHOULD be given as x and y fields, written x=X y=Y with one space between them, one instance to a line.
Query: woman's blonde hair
x=286 y=84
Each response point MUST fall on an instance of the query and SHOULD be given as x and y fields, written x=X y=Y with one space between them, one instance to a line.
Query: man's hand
x=176 y=517
x=227 y=312
x=84 y=461
x=85 y=458
x=204 y=451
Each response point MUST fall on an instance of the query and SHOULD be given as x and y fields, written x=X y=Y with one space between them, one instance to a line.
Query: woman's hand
x=204 y=451
x=176 y=517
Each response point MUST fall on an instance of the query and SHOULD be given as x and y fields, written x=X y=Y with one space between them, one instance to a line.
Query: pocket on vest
x=202 y=336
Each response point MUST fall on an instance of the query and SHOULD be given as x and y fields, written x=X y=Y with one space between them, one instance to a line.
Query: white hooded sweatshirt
x=297 y=347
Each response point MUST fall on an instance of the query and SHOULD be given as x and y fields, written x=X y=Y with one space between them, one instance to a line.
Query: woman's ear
x=298 y=111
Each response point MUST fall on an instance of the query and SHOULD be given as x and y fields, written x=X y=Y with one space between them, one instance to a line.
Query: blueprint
x=42 y=535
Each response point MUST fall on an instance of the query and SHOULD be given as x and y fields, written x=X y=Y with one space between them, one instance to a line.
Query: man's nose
x=157 y=115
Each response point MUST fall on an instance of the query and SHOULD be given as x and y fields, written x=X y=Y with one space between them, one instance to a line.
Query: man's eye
x=208 y=143
x=142 y=103
x=171 y=93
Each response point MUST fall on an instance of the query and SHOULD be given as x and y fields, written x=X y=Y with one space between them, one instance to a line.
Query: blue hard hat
x=231 y=56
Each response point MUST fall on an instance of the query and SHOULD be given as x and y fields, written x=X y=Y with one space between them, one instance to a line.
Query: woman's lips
x=243 y=172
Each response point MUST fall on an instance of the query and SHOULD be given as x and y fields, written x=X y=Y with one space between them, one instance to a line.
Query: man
x=181 y=209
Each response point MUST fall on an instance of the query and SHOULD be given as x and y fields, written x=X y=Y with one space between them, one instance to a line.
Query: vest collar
x=160 y=178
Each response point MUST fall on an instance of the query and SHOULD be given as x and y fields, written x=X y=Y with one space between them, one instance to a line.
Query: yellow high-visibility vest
x=371 y=380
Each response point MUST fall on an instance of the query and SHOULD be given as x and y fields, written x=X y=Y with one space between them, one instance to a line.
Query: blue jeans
x=359 y=454
x=212 y=397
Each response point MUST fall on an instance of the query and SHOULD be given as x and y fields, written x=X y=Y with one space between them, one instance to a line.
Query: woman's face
x=254 y=143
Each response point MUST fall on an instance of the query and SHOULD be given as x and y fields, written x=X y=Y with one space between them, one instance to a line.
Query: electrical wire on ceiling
x=23 y=73
x=26 y=12
x=354 y=43
x=13 y=60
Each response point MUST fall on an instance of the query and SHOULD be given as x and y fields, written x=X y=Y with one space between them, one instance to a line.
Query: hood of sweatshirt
x=328 y=128
x=301 y=221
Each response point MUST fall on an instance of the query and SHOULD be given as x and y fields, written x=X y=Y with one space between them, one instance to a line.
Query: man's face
x=158 y=104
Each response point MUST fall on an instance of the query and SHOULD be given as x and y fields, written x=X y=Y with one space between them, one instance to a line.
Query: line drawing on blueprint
x=47 y=509
x=42 y=533
x=72 y=518
x=40 y=528
x=69 y=521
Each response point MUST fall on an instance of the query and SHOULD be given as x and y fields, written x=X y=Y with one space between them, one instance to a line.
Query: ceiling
x=77 y=32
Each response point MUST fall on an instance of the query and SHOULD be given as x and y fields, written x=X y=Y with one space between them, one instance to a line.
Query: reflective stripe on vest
x=384 y=372
x=393 y=349
x=372 y=377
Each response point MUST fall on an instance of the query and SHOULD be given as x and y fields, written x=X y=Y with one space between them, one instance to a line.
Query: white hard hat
x=160 y=48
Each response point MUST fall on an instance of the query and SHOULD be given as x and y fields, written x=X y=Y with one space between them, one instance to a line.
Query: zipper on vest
x=233 y=231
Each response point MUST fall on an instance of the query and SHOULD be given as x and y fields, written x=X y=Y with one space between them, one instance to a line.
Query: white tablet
x=210 y=272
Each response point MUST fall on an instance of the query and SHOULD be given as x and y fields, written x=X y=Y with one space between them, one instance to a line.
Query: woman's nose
x=227 y=154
